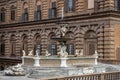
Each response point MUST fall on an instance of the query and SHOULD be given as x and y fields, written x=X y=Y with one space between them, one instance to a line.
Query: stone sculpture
x=37 y=53
x=81 y=52
x=77 y=53
x=47 y=53
x=96 y=54
x=16 y=70
x=30 y=53
x=24 y=54
x=62 y=52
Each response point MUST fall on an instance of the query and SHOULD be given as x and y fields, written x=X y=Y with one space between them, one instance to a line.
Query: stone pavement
x=39 y=73
x=16 y=78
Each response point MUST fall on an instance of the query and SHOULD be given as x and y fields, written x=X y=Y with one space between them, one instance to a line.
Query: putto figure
x=24 y=54
x=30 y=53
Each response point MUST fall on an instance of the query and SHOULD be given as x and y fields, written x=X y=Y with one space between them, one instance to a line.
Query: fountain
x=62 y=59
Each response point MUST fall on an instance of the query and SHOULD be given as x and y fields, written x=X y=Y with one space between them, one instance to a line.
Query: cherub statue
x=81 y=52
x=77 y=53
x=47 y=53
x=24 y=54
x=30 y=53
x=37 y=53
x=62 y=52
x=96 y=54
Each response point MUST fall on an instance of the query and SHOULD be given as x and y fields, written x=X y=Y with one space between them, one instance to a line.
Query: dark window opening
x=13 y=47
x=96 y=6
x=13 y=15
x=2 y=17
x=117 y=5
x=52 y=11
x=38 y=13
x=25 y=15
x=69 y=5
x=2 y=49
x=53 y=49
x=38 y=49
x=70 y=49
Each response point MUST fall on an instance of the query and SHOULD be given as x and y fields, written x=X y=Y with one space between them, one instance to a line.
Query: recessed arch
x=13 y=45
x=51 y=35
x=52 y=46
x=12 y=7
x=38 y=10
x=50 y=3
x=70 y=43
x=90 y=42
x=3 y=9
x=2 y=45
x=25 y=5
x=24 y=43
x=3 y=14
x=37 y=44
x=90 y=34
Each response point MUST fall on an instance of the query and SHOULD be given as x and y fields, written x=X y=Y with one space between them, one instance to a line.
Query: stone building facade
x=30 y=25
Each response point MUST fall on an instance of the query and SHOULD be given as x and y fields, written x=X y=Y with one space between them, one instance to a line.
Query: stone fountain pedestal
x=36 y=61
x=63 y=62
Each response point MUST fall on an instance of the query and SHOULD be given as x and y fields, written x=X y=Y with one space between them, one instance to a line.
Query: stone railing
x=101 y=76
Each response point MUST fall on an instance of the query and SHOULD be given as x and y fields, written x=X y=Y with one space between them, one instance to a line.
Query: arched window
x=52 y=45
x=2 y=15
x=2 y=45
x=70 y=44
x=52 y=12
x=70 y=48
x=13 y=45
x=53 y=49
x=69 y=5
x=25 y=43
x=25 y=12
x=38 y=10
x=12 y=13
x=37 y=47
x=117 y=5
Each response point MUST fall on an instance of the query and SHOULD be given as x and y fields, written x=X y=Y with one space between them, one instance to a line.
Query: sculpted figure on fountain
x=63 y=52
x=24 y=54
x=47 y=53
x=78 y=52
x=37 y=53
x=81 y=52
x=30 y=53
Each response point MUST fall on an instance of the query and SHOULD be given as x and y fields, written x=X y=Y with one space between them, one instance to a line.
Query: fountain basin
x=54 y=61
